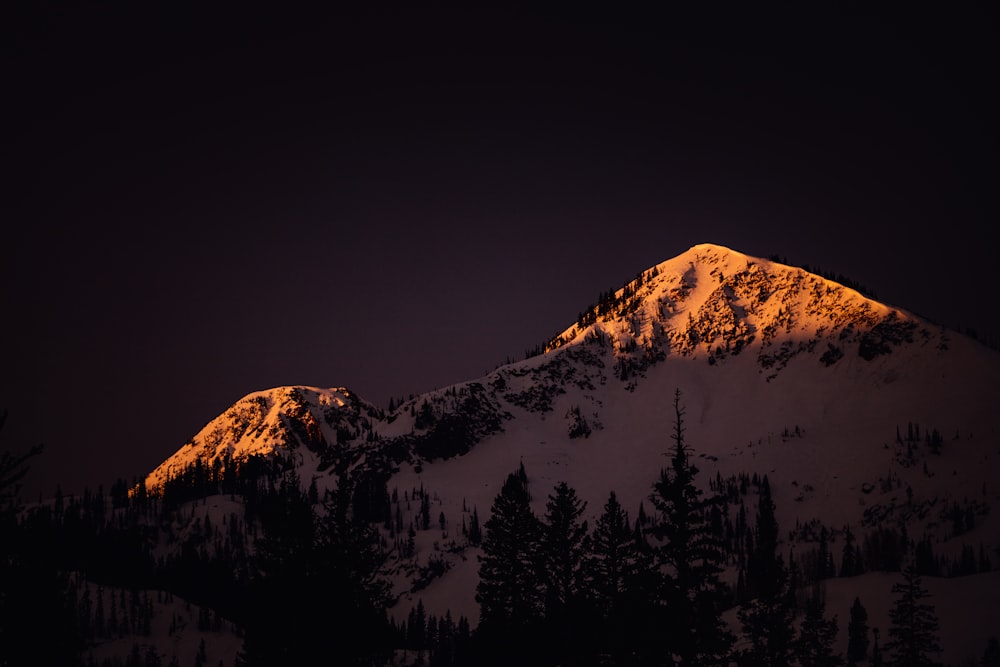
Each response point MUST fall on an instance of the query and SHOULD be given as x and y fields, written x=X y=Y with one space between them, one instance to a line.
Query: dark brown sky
x=202 y=204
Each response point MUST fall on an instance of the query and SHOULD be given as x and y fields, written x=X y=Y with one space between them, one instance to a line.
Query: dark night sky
x=204 y=204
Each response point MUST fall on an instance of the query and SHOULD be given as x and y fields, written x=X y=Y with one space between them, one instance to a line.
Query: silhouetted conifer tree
x=857 y=633
x=510 y=590
x=767 y=618
x=609 y=561
x=913 y=637
x=876 y=660
x=475 y=532
x=562 y=550
x=848 y=559
x=562 y=546
x=814 y=645
x=690 y=556
x=824 y=559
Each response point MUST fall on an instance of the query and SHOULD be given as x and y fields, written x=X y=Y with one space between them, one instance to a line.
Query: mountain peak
x=713 y=302
x=712 y=247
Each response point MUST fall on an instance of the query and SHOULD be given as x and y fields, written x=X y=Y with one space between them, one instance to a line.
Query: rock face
x=862 y=415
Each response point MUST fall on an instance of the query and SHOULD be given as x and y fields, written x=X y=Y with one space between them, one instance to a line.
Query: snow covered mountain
x=313 y=426
x=861 y=414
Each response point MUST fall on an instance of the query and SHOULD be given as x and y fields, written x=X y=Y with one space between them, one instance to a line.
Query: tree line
x=553 y=590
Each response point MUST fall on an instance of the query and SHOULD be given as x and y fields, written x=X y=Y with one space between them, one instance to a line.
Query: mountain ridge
x=864 y=416
x=776 y=310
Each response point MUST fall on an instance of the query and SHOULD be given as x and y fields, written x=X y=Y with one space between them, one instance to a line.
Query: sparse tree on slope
x=690 y=557
x=849 y=563
x=475 y=532
x=913 y=637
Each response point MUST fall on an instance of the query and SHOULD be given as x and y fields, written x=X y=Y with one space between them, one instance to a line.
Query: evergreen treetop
x=689 y=556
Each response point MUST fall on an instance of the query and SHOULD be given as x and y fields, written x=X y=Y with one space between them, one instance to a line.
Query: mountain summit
x=715 y=302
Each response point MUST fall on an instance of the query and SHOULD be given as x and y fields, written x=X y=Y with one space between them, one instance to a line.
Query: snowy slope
x=167 y=627
x=781 y=372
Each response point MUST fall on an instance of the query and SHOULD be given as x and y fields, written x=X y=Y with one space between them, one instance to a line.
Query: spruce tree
x=824 y=559
x=509 y=592
x=416 y=627
x=848 y=562
x=857 y=633
x=644 y=613
x=563 y=546
x=475 y=532
x=913 y=625
x=562 y=549
x=814 y=645
x=689 y=554
x=766 y=618
x=609 y=562
x=876 y=660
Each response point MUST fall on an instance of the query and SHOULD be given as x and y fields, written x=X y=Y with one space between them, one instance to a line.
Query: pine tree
x=616 y=571
x=848 y=562
x=475 y=532
x=914 y=625
x=814 y=645
x=610 y=559
x=644 y=614
x=202 y=656
x=824 y=559
x=425 y=512
x=766 y=619
x=562 y=550
x=416 y=628
x=463 y=637
x=876 y=660
x=563 y=546
x=690 y=556
x=857 y=633
x=509 y=592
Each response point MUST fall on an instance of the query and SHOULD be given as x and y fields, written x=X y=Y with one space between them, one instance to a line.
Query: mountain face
x=862 y=415
x=312 y=427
